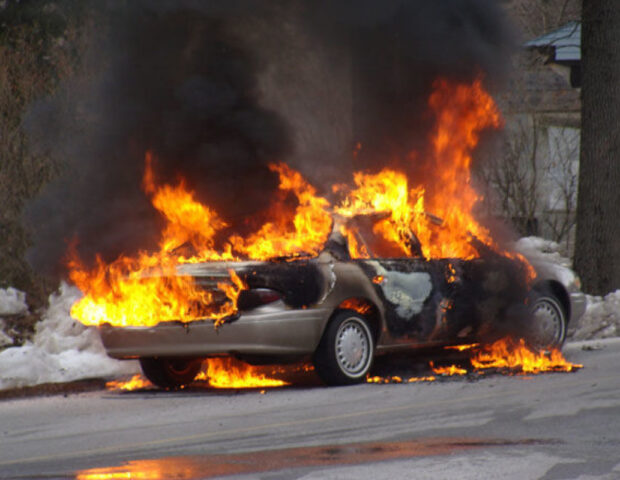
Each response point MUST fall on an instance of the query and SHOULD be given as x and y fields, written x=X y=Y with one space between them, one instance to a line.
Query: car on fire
x=341 y=312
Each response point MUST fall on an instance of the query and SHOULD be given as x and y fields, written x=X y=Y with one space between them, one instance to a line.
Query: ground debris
x=50 y=389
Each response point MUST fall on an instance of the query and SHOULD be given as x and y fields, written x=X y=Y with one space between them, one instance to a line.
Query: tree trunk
x=597 y=247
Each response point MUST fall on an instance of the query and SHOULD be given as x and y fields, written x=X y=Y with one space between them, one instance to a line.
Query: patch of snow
x=601 y=318
x=5 y=340
x=62 y=350
x=12 y=302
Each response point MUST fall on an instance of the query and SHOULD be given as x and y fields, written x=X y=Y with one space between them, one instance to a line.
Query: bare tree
x=537 y=17
x=562 y=178
x=533 y=182
x=514 y=175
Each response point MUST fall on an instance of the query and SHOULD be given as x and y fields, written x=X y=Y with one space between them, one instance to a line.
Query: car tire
x=345 y=354
x=548 y=321
x=170 y=373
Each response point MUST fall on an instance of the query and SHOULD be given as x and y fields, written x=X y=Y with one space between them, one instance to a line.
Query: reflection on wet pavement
x=199 y=467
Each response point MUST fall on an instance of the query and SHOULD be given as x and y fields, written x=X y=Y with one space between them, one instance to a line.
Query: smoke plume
x=218 y=90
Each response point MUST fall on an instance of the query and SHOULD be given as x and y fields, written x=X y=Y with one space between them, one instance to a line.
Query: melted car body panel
x=406 y=291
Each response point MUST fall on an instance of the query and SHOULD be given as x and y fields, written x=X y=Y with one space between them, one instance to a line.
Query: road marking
x=275 y=425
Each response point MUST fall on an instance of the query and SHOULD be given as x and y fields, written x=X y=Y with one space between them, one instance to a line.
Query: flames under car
x=341 y=312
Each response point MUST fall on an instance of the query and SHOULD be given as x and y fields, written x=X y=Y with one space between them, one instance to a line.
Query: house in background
x=536 y=180
x=563 y=48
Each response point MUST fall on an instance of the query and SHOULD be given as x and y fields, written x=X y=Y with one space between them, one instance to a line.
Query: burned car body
x=341 y=312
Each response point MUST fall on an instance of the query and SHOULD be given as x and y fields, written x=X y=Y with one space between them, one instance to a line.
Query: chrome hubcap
x=353 y=347
x=548 y=322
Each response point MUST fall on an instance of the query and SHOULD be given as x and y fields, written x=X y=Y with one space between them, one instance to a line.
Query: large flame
x=433 y=218
x=304 y=233
x=462 y=112
x=145 y=290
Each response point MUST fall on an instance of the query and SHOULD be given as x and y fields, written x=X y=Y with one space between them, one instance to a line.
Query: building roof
x=564 y=43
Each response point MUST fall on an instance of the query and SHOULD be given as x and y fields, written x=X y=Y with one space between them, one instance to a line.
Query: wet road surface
x=552 y=426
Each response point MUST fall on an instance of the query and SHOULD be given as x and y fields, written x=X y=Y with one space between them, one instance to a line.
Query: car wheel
x=170 y=373
x=547 y=329
x=346 y=351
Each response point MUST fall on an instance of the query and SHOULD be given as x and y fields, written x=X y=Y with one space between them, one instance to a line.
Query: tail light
x=256 y=297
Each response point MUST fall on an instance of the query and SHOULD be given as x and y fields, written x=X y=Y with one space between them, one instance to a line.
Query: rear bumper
x=270 y=330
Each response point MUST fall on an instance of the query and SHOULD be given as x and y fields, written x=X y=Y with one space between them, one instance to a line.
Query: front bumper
x=269 y=330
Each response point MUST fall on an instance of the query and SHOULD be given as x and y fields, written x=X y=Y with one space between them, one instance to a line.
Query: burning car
x=338 y=281
x=341 y=312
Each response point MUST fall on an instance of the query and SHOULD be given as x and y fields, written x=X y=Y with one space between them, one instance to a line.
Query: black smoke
x=183 y=79
x=172 y=81
x=398 y=49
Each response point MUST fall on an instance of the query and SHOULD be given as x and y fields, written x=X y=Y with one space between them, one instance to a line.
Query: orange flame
x=462 y=348
x=136 y=382
x=305 y=233
x=218 y=373
x=384 y=192
x=357 y=305
x=397 y=379
x=188 y=221
x=506 y=356
x=227 y=373
x=462 y=112
x=146 y=289
x=516 y=356
x=450 y=370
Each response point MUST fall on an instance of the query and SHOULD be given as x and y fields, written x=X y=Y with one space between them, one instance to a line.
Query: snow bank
x=601 y=318
x=12 y=302
x=62 y=350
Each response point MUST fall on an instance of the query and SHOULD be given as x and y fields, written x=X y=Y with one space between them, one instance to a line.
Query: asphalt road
x=552 y=426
